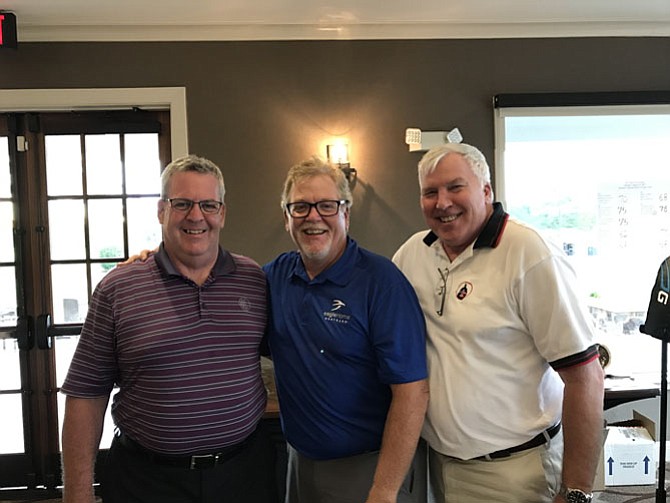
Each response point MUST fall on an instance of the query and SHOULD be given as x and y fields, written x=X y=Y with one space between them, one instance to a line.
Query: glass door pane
x=11 y=417
x=11 y=424
x=107 y=208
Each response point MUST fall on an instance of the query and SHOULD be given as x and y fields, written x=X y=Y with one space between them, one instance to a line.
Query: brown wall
x=255 y=108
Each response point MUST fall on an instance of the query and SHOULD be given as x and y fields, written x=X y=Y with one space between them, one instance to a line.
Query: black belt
x=540 y=439
x=194 y=462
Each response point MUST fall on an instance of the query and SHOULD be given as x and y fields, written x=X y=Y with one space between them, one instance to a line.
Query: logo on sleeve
x=333 y=315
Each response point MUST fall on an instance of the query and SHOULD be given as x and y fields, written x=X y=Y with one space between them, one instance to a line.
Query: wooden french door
x=78 y=191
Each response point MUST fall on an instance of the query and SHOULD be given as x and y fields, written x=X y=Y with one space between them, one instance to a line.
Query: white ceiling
x=100 y=20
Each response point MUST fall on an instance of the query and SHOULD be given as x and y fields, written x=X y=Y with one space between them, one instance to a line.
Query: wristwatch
x=575 y=495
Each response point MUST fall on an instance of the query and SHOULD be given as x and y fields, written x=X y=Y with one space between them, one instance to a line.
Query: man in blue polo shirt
x=347 y=338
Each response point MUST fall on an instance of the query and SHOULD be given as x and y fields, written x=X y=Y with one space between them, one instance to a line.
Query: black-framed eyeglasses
x=441 y=291
x=209 y=206
x=325 y=208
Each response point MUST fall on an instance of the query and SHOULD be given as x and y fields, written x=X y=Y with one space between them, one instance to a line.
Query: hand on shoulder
x=141 y=256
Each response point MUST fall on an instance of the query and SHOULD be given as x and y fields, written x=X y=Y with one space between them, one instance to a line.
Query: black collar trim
x=491 y=233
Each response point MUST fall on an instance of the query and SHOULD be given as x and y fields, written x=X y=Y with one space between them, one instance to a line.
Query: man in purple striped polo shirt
x=179 y=335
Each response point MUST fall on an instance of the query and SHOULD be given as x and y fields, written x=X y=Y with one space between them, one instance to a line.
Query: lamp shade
x=338 y=153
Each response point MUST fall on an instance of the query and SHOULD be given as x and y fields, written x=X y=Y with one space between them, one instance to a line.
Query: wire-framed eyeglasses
x=209 y=206
x=325 y=208
x=441 y=291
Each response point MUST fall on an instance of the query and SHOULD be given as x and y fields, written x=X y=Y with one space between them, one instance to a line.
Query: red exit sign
x=8 y=30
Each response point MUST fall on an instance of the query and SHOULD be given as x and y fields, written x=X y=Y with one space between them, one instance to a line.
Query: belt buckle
x=203 y=461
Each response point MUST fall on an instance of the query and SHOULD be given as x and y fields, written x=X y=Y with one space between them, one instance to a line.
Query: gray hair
x=316 y=166
x=472 y=156
x=192 y=163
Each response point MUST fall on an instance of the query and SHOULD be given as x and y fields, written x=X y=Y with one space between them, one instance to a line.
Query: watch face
x=603 y=356
x=577 y=496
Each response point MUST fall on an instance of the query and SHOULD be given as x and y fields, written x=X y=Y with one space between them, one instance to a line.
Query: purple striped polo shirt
x=185 y=357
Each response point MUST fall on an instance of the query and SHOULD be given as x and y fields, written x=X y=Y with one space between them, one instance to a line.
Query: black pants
x=248 y=477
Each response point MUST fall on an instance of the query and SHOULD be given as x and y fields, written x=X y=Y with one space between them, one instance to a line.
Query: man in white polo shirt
x=515 y=413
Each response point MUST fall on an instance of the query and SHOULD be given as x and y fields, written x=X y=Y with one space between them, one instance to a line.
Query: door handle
x=42 y=327
x=23 y=333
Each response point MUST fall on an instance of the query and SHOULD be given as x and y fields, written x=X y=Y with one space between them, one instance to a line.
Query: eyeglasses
x=208 y=206
x=441 y=291
x=326 y=208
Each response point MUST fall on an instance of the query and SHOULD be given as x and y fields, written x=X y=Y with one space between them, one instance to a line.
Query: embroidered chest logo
x=333 y=315
x=464 y=289
x=244 y=303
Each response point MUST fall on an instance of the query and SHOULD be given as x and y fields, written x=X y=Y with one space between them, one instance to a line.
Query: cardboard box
x=629 y=453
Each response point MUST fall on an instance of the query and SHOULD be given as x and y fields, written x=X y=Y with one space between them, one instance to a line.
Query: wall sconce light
x=338 y=154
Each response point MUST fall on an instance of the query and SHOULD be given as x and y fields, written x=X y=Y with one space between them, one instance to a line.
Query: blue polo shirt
x=337 y=342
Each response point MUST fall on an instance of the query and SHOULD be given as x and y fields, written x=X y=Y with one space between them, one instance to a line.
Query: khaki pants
x=531 y=476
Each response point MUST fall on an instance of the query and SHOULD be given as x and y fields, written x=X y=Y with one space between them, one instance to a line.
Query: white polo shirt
x=510 y=314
